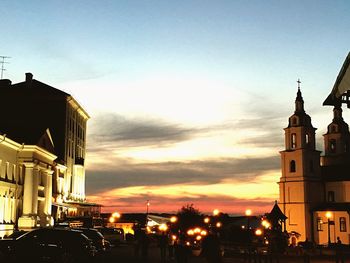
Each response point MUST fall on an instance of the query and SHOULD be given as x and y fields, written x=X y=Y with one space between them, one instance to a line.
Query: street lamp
x=248 y=213
x=147 y=206
x=329 y=222
x=216 y=212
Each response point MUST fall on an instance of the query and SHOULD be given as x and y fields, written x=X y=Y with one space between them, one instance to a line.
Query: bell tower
x=300 y=184
x=337 y=140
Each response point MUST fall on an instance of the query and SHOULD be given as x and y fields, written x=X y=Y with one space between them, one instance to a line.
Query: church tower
x=300 y=185
x=336 y=140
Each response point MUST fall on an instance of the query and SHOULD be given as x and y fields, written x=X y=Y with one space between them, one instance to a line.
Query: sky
x=188 y=99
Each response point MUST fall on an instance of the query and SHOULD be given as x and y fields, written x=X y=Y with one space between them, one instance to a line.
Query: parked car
x=114 y=235
x=48 y=245
x=101 y=244
x=17 y=234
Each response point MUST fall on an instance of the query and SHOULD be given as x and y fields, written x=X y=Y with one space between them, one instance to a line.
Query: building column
x=30 y=197
x=48 y=196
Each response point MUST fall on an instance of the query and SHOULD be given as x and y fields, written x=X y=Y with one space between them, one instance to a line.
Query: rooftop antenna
x=3 y=62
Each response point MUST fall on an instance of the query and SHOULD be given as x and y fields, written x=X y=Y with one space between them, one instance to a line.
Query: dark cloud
x=127 y=174
x=130 y=132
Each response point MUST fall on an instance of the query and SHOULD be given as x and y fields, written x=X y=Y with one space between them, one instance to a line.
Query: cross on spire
x=298 y=81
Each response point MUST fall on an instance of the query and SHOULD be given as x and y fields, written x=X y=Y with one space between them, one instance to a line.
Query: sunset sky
x=188 y=99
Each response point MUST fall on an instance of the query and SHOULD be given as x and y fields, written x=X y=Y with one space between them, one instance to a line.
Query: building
x=34 y=109
x=315 y=189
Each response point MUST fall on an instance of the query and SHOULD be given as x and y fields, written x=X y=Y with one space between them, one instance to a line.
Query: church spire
x=337 y=113
x=299 y=102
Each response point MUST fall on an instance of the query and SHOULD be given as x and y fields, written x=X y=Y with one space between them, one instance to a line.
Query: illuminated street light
x=116 y=215
x=265 y=224
x=248 y=212
x=111 y=219
x=258 y=232
x=218 y=224
x=163 y=227
x=190 y=232
x=206 y=220
x=216 y=212
x=173 y=219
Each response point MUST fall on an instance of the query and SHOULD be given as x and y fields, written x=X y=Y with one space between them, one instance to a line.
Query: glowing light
x=216 y=212
x=111 y=219
x=258 y=232
x=218 y=224
x=248 y=212
x=163 y=227
x=116 y=215
x=206 y=220
x=190 y=232
x=265 y=224
x=173 y=219
x=197 y=230
x=173 y=237
x=198 y=238
x=329 y=214
x=204 y=233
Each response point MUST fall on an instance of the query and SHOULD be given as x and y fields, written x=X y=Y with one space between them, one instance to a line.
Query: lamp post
x=147 y=206
x=329 y=215
x=248 y=213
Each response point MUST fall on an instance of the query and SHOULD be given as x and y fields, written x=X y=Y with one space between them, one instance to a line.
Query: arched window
x=292 y=166
x=294 y=141
x=307 y=139
x=332 y=145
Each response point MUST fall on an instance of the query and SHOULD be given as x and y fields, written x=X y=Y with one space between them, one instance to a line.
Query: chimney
x=5 y=83
x=29 y=78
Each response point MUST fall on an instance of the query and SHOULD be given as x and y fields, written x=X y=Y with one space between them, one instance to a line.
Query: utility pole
x=3 y=62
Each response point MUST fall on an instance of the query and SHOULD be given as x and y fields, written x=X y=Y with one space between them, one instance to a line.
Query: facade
x=32 y=110
x=314 y=189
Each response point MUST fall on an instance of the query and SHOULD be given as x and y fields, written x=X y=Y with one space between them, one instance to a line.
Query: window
x=319 y=224
x=342 y=224
x=330 y=196
x=292 y=167
x=294 y=140
x=332 y=145
x=307 y=139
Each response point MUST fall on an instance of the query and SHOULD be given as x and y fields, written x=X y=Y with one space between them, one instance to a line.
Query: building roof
x=341 y=85
x=335 y=173
x=276 y=214
x=333 y=207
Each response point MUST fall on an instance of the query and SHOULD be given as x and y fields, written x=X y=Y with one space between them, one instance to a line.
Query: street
x=125 y=254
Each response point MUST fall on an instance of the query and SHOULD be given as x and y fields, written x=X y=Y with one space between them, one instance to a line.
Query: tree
x=189 y=217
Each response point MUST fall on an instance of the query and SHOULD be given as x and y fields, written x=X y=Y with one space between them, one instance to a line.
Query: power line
x=3 y=62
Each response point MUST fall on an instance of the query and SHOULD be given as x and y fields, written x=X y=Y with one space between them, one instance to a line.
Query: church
x=314 y=189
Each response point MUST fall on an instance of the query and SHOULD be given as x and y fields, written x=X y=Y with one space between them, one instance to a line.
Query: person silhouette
x=211 y=249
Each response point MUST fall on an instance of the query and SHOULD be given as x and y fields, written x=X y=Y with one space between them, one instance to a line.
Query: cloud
x=130 y=132
x=204 y=172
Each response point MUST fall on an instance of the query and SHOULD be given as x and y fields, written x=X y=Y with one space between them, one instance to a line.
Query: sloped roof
x=276 y=214
x=341 y=85
x=40 y=87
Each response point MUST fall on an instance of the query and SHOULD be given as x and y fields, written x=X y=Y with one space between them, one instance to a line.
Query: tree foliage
x=189 y=217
